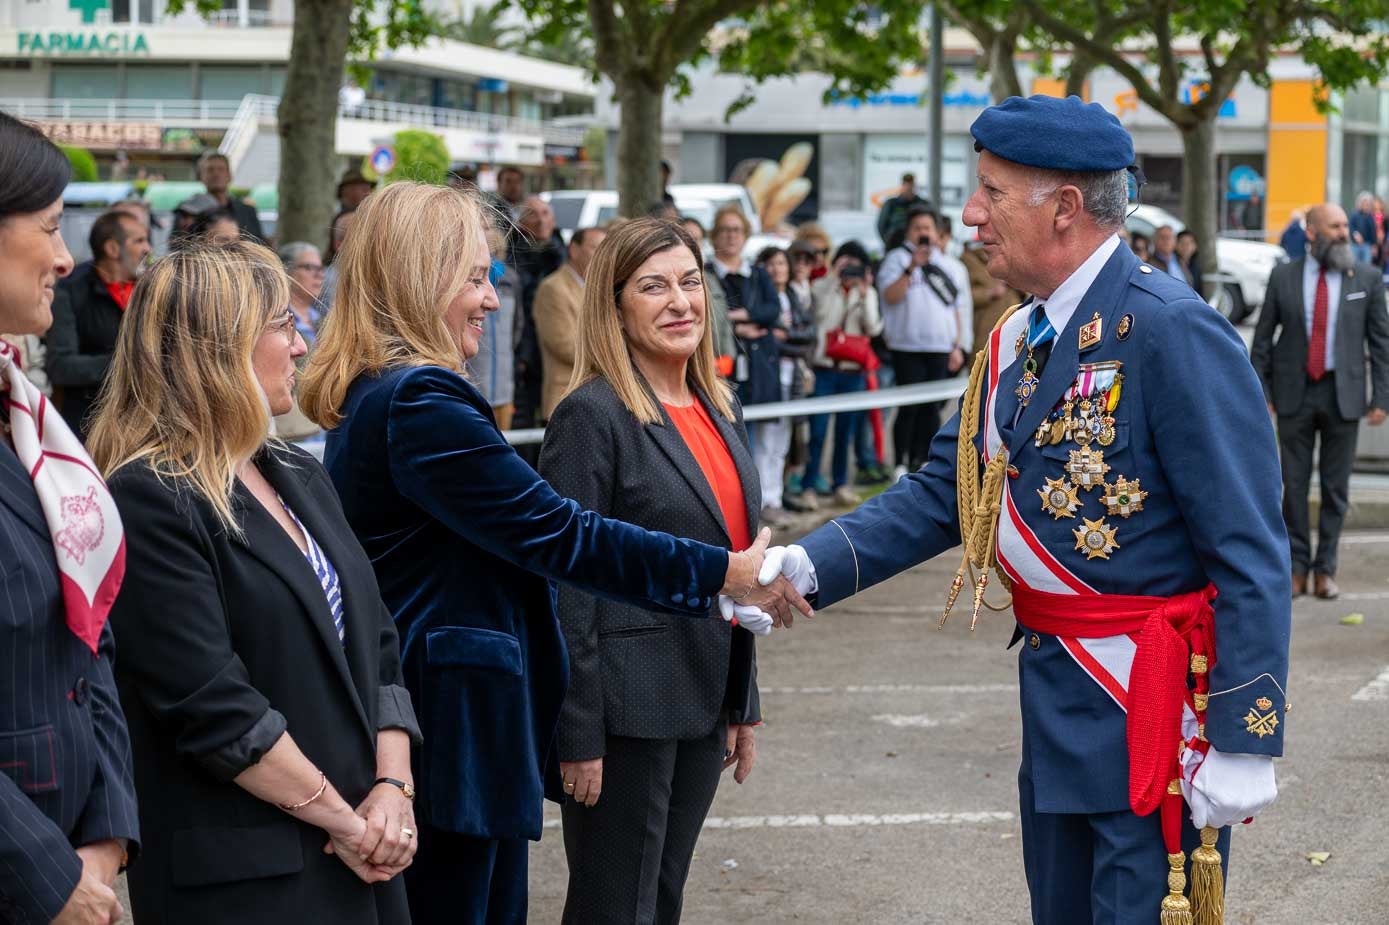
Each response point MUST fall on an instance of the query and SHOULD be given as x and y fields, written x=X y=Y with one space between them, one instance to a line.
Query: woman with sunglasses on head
x=259 y=668
x=466 y=540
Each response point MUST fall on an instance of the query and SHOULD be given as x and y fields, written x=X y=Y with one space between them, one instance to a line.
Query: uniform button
x=696 y=602
x=79 y=692
x=678 y=598
x=1035 y=641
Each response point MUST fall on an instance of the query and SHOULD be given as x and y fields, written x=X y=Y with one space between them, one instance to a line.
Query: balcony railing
x=221 y=114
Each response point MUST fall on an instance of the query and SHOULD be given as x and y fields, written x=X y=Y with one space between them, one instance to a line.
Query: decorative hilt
x=1176 y=908
x=956 y=587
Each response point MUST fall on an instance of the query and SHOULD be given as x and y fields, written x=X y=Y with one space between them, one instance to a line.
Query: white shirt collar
x=1066 y=299
x=577 y=278
x=744 y=269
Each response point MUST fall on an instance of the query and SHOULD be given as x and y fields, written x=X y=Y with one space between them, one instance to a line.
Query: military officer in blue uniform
x=1114 y=467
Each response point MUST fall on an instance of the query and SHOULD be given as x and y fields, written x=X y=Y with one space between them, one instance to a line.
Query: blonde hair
x=733 y=209
x=181 y=394
x=406 y=258
x=602 y=348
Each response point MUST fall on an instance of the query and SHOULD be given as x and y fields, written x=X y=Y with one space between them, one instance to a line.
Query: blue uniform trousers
x=1099 y=868
x=461 y=880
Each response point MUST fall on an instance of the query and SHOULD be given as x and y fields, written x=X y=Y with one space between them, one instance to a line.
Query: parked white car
x=1244 y=266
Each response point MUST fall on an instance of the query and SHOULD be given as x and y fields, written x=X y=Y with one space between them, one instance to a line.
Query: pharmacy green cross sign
x=88 y=8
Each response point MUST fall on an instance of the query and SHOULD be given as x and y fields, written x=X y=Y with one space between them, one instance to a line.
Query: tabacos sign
x=85 y=41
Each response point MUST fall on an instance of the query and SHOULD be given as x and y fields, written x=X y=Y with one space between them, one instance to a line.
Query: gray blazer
x=636 y=672
x=1362 y=327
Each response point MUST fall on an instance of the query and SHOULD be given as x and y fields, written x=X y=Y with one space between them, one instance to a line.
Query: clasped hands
x=373 y=843
x=765 y=587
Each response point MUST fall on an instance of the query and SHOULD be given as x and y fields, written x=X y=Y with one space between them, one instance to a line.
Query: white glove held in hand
x=749 y=618
x=1229 y=788
x=793 y=562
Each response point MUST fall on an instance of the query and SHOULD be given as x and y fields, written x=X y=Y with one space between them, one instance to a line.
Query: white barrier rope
x=921 y=393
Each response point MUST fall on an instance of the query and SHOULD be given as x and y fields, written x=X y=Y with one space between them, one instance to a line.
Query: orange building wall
x=1297 y=142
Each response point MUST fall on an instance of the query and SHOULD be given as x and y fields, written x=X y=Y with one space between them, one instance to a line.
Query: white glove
x=793 y=562
x=749 y=618
x=1229 y=788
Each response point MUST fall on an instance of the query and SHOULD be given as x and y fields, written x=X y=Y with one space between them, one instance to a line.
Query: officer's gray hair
x=1105 y=194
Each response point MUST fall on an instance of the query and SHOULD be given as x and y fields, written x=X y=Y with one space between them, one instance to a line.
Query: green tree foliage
x=420 y=156
x=646 y=46
x=83 y=164
x=486 y=27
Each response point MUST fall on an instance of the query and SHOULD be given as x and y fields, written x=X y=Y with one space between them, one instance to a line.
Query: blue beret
x=1043 y=131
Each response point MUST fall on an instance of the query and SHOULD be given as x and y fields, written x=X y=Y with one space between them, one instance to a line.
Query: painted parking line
x=1362 y=539
x=1365 y=596
x=1378 y=689
x=846 y=820
x=897 y=689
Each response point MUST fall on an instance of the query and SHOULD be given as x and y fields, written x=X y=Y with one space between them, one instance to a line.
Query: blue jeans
x=833 y=382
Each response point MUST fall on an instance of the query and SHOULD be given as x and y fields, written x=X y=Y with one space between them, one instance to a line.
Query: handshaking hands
x=760 y=592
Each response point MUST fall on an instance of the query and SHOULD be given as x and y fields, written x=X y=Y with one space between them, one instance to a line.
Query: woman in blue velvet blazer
x=463 y=535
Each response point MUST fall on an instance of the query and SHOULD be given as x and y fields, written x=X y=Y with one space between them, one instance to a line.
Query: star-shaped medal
x=1124 y=497
x=1096 y=539
x=1059 y=498
x=1087 y=468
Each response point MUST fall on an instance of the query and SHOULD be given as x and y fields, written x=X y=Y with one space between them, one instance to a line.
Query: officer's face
x=1012 y=230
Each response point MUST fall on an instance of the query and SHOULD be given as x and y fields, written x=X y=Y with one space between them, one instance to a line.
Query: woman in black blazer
x=260 y=668
x=657 y=706
x=67 y=801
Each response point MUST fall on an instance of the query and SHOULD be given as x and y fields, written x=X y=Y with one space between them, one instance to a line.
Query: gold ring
x=407 y=831
x=569 y=785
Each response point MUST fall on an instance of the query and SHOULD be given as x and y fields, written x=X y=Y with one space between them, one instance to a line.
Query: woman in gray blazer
x=656 y=707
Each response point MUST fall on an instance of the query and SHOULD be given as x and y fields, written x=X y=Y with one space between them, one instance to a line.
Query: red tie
x=1316 y=350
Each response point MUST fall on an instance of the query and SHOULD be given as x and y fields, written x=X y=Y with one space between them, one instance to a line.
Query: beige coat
x=556 y=314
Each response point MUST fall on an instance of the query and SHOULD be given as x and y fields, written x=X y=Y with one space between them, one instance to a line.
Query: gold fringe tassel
x=1207 y=882
x=1176 y=908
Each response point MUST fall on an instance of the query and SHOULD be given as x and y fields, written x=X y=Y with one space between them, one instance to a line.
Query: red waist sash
x=1171 y=630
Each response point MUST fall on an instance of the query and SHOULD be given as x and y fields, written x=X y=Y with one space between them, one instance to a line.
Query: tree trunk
x=1200 y=193
x=638 y=145
x=1078 y=73
x=1003 y=73
x=308 y=118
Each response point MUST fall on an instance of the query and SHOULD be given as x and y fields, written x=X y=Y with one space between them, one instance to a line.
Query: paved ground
x=885 y=786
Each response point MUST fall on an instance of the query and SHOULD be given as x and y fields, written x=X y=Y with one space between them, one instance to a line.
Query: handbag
x=843 y=347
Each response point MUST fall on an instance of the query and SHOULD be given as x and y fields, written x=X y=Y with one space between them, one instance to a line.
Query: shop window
x=222 y=82
x=85 y=81
x=158 y=82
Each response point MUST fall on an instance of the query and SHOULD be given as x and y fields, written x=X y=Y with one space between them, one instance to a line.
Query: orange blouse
x=710 y=451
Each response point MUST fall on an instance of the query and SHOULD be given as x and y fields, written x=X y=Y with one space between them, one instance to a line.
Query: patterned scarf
x=88 y=539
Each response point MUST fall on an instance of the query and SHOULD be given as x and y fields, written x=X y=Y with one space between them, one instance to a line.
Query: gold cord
x=979 y=499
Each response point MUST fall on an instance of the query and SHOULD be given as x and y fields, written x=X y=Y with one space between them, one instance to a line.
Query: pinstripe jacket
x=65 y=768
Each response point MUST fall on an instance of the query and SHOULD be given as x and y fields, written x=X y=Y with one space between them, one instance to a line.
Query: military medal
x=1107 y=433
x=1124 y=498
x=1036 y=335
x=1125 y=326
x=1095 y=538
x=1087 y=468
x=1059 y=498
x=1091 y=333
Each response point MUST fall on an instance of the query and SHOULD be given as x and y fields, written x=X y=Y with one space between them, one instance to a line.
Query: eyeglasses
x=728 y=229
x=314 y=268
x=283 y=324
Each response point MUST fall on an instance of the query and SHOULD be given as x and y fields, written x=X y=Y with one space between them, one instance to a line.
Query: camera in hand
x=853 y=271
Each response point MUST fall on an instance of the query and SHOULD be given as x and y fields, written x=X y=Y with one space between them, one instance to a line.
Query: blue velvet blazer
x=466 y=540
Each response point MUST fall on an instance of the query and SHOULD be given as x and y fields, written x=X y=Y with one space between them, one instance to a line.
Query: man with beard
x=1330 y=310
x=87 y=310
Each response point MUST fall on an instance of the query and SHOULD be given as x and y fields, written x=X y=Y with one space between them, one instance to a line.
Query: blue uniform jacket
x=1192 y=427
x=463 y=535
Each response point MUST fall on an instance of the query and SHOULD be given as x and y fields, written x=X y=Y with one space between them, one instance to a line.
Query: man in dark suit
x=214 y=170
x=1331 y=313
x=87 y=310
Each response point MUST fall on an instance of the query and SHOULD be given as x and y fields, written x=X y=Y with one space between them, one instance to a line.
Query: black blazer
x=1362 y=327
x=633 y=671
x=65 y=775
x=80 y=343
x=231 y=642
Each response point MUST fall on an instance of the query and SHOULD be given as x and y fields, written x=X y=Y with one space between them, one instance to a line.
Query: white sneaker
x=899 y=473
